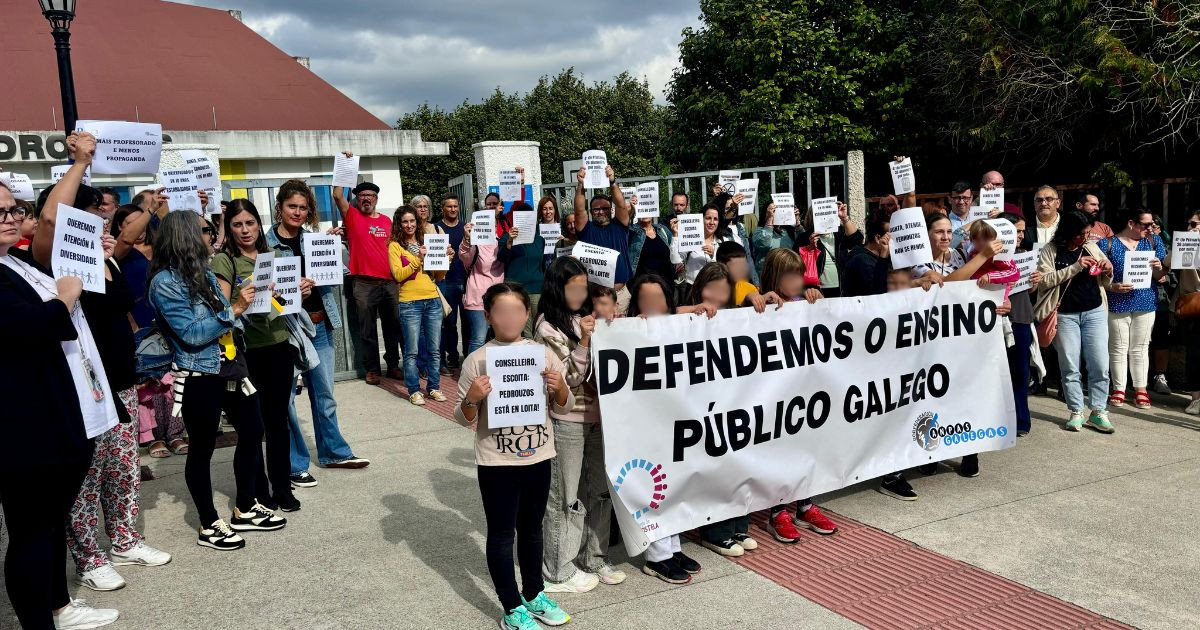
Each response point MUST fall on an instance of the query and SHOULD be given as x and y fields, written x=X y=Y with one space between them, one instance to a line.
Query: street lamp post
x=60 y=13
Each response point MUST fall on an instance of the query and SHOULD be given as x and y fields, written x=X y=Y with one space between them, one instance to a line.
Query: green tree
x=777 y=81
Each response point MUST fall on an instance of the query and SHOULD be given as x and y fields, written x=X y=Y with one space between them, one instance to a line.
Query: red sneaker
x=818 y=522
x=782 y=528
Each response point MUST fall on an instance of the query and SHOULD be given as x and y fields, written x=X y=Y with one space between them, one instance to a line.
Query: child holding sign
x=513 y=464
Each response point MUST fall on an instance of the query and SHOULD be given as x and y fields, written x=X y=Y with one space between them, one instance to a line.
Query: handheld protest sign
x=518 y=397
x=181 y=190
x=601 y=263
x=551 y=233
x=206 y=173
x=691 y=233
x=124 y=148
x=1138 y=273
x=825 y=215
x=909 y=243
x=323 y=259
x=1185 y=250
x=510 y=185
x=976 y=213
x=525 y=221
x=19 y=185
x=991 y=199
x=903 y=179
x=57 y=172
x=728 y=180
x=1026 y=263
x=647 y=201
x=483 y=227
x=749 y=191
x=437 y=256
x=77 y=250
x=785 y=208
x=1006 y=233
x=630 y=195
x=345 y=171
x=596 y=162
x=287 y=283
x=264 y=275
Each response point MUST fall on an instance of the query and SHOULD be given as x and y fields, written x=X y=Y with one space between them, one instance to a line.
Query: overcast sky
x=392 y=56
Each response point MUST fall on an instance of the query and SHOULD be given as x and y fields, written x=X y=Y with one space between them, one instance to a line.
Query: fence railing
x=464 y=187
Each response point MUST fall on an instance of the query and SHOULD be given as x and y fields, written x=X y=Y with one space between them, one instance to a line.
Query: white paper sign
x=207 y=176
x=77 y=249
x=691 y=233
x=181 y=190
x=749 y=190
x=518 y=397
x=483 y=228
x=19 y=185
x=437 y=257
x=214 y=201
x=903 y=180
x=124 y=148
x=825 y=215
x=57 y=172
x=1006 y=233
x=647 y=200
x=1138 y=272
x=287 y=283
x=992 y=199
x=785 y=209
x=1026 y=263
x=345 y=171
x=323 y=259
x=563 y=251
x=525 y=222
x=601 y=263
x=550 y=232
x=595 y=162
x=630 y=194
x=264 y=274
x=510 y=185
x=909 y=245
x=728 y=180
x=976 y=213
x=1185 y=250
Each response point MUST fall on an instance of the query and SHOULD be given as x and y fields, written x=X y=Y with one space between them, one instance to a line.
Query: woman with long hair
x=768 y=236
x=716 y=231
x=419 y=308
x=269 y=356
x=525 y=264
x=295 y=215
x=204 y=330
x=1075 y=277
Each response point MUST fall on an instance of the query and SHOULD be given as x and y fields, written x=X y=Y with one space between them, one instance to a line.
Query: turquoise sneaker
x=518 y=619
x=1099 y=421
x=1075 y=423
x=546 y=611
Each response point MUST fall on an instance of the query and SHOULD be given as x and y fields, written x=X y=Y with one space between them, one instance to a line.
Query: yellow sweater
x=406 y=269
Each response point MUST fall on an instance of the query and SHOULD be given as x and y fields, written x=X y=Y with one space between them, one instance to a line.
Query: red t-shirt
x=368 y=244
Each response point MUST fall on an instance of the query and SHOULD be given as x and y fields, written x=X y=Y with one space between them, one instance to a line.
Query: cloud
x=392 y=57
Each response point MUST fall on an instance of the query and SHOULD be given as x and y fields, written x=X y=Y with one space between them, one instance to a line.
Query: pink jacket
x=486 y=271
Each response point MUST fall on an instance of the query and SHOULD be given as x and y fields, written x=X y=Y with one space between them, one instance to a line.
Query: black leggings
x=37 y=502
x=203 y=398
x=273 y=374
x=514 y=502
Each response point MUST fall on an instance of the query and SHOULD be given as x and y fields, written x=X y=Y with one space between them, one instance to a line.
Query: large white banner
x=706 y=420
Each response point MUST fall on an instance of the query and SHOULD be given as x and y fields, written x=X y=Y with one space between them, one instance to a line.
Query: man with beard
x=595 y=225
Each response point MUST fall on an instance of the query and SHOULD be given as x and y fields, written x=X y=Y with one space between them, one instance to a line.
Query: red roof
x=173 y=62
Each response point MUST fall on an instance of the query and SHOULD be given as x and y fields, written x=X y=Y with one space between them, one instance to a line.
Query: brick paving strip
x=883 y=581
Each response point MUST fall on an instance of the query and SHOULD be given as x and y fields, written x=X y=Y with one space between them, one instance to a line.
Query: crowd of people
x=173 y=350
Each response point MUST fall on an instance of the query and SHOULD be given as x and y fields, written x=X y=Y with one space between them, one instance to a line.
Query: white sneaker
x=610 y=575
x=79 y=616
x=1193 y=408
x=102 y=578
x=1160 y=384
x=140 y=554
x=581 y=582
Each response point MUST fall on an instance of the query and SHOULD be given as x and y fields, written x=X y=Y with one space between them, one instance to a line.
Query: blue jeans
x=453 y=292
x=421 y=321
x=478 y=332
x=1018 y=370
x=1086 y=331
x=331 y=446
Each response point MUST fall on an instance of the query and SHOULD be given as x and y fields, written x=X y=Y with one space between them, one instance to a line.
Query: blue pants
x=1018 y=370
x=453 y=292
x=421 y=321
x=478 y=332
x=1086 y=331
x=331 y=446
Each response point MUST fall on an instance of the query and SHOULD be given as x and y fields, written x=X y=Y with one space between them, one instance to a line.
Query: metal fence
x=464 y=187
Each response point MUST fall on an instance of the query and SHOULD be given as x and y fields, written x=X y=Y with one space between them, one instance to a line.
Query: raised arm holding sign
x=124 y=148
x=903 y=179
x=345 y=170
x=825 y=215
x=595 y=163
x=181 y=190
x=510 y=185
x=647 y=201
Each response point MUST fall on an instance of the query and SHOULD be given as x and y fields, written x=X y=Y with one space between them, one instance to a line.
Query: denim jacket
x=637 y=238
x=328 y=299
x=194 y=325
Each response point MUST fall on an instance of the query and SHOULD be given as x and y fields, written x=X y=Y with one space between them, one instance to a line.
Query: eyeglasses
x=1146 y=225
x=595 y=208
x=1193 y=225
x=962 y=197
x=1045 y=199
x=15 y=213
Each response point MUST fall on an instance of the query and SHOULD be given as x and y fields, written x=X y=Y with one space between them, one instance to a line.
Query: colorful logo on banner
x=645 y=501
x=927 y=433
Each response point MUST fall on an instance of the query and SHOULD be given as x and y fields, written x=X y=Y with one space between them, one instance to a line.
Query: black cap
x=366 y=186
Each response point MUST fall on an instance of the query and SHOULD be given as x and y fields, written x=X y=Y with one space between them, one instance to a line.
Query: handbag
x=1188 y=306
x=1048 y=327
x=446 y=310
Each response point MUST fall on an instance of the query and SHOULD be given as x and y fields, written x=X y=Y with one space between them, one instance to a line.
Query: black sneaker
x=667 y=571
x=220 y=536
x=969 y=466
x=728 y=547
x=897 y=487
x=256 y=519
x=303 y=480
x=686 y=563
x=928 y=469
x=289 y=504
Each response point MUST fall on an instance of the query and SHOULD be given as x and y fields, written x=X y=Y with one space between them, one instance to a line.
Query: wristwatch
x=467 y=403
